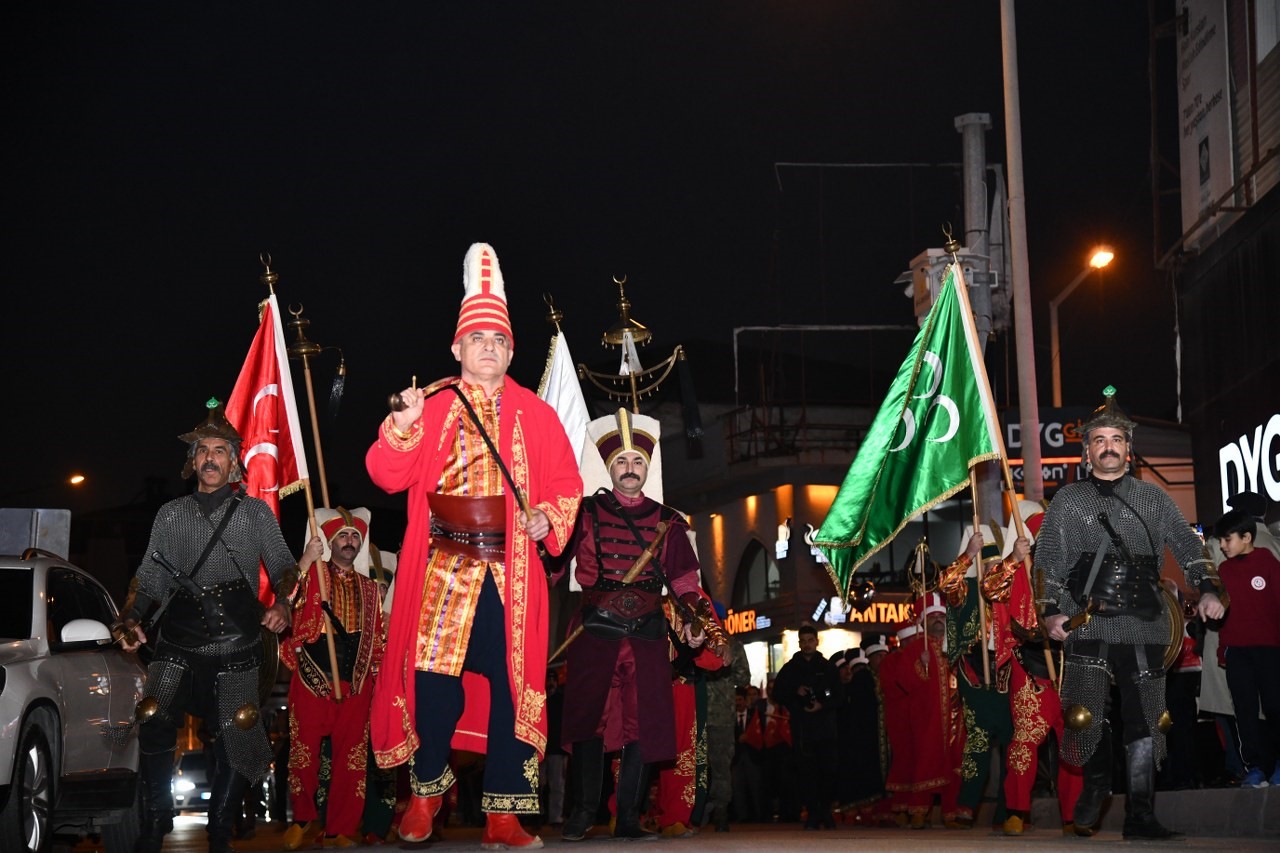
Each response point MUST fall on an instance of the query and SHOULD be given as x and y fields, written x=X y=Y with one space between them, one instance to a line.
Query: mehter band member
x=466 y=657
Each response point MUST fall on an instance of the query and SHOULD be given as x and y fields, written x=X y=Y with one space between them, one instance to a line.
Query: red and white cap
x=484 y=300
x=932 y=602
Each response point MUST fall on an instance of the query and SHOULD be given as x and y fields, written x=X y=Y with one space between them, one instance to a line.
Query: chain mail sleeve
x=154 y=583
x=282 y=568
x=1185 y=545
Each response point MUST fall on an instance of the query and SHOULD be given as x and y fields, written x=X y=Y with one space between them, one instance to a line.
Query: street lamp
x=1100 y=258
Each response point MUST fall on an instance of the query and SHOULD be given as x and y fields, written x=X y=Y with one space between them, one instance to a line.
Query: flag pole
x=1026 y=563
x=323 y=578
x=303 y=349
x=982 y=608
x=967 y=314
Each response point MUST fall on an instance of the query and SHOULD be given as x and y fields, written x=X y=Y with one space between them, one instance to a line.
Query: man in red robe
x=314 y=711
x=1033 y=696
x=923 y=716
x=466 y=658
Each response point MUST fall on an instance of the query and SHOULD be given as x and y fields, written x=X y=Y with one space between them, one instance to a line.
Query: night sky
x=156 y=149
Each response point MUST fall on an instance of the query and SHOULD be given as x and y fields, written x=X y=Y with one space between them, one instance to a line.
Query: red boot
x=502 y=831
x=416 y=823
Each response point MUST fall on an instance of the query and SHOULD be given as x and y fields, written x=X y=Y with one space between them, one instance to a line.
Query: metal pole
x=1029 y=407
x=1055 y=352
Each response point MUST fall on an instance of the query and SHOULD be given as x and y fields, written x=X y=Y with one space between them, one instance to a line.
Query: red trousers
x=346 y=724
x=678 y=780
x=1037 y=710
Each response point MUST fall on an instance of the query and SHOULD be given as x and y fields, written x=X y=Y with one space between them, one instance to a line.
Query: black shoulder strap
x=217 y=534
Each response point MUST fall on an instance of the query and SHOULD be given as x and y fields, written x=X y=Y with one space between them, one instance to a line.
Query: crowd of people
x=1041 y=647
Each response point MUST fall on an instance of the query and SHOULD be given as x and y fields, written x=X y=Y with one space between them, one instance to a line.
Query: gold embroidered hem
x=435 y=788
x=510 y=803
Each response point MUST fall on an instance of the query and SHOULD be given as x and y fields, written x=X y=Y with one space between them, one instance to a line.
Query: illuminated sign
x=888 y=612
x=745 y=621
x=1249 y=464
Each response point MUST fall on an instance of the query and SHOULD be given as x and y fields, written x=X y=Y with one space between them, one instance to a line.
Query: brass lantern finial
x=301 y=348
x=616 y=334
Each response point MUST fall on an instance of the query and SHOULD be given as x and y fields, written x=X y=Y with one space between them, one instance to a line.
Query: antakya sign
x=884 y=610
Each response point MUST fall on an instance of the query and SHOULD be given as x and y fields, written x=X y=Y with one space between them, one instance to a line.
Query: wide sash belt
x=469 y=527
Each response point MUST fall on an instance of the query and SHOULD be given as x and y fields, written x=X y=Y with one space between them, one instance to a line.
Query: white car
x=68 y=746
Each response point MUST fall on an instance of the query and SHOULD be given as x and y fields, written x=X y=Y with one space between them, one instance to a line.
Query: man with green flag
x=936 y=422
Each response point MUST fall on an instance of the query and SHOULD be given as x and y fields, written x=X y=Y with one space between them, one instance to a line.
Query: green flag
x=936 y=422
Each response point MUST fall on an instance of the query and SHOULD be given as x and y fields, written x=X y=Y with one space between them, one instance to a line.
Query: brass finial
x=616 y=334
x=268 y=277
x=301 y=348
x=554 y=314
x=952 y=245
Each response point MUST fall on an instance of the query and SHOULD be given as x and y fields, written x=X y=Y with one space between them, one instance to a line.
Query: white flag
x=630 y=358
x=559 y=388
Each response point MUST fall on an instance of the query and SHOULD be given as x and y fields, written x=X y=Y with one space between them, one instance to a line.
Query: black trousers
x=1253 y=677
x=508 y=785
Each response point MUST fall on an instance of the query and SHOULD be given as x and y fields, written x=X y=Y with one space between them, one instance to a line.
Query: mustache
x=629 y=477
x=210 y=466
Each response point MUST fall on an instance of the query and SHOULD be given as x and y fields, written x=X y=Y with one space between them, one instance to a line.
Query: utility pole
x=1028 y=406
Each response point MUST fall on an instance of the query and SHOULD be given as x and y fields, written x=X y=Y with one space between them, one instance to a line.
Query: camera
x=817 y=696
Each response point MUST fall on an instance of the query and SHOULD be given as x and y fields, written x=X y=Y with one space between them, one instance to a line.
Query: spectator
x=1250 y=638
x=809 y=687
x=748 y=762
x=721 y=687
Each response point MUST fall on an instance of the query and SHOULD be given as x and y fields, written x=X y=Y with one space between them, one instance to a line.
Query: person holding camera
x=809 y=686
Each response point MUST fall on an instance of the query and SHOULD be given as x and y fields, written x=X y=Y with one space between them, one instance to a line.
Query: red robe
x=532 y=443
x=925 y=732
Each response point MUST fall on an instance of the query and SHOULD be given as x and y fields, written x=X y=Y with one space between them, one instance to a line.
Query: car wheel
x=26 y=823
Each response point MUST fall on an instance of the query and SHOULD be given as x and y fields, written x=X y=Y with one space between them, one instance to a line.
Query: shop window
x=758 y=578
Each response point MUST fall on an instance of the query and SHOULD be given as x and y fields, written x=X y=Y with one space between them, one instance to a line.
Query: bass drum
x=1173 y=649
x=270 y=668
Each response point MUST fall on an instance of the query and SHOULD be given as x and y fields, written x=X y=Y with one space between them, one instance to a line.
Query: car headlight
x=184 y=785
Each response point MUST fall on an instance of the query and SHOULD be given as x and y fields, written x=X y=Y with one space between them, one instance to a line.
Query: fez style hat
x=357 y=520
x=873 y=643
x=932 y=602
x=1109 y=414
x=215 y=425
x=624 y=431
x=334 y=521
x=484 y=299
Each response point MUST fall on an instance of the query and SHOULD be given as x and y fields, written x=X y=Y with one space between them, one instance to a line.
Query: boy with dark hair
x=1250 y=639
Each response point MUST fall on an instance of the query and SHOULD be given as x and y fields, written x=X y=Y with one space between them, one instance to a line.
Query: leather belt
x=473 y=527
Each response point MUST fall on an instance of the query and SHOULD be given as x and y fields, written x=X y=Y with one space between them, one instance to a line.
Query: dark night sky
x=155 y=150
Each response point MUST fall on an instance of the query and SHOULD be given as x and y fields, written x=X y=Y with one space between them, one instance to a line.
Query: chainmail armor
x=1071 y=528
x=164 y=678
x=181 y=531
x=248 y=751
x=1151 y=693
x=1085 y=681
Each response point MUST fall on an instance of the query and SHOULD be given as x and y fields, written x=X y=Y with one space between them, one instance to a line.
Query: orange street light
x=1100 y=257
x=76 y=479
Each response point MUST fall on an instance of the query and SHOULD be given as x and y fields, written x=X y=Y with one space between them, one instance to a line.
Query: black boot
x=632 y=774
x=1097 y=786
x=586 y=771
x=1140 y=803
x=226 y=799
x=157 y=800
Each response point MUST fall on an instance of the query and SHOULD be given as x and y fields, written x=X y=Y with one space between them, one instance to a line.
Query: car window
x=74 y=596
x=15 y=602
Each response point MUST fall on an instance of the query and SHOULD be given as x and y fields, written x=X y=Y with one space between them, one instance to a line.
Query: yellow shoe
x=338 y=841
x=1012 y=825
x=677 y=830
x=298 y=835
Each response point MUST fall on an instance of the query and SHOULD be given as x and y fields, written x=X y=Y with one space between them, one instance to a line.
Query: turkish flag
x=262 y=408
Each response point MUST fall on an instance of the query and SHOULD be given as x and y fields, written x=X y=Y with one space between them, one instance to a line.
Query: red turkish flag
x=263 y=410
